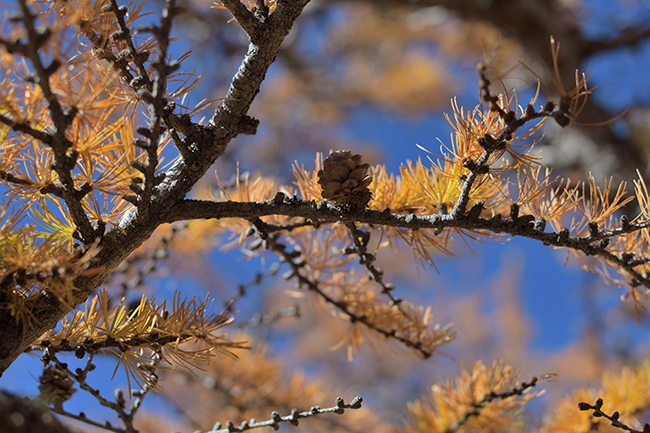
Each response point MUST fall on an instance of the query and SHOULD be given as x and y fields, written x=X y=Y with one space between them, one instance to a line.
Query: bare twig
x=293 y=418
x=153 y=94
x=64 y=159
x=230 y=393
x=80 y=378
x=144 y=264
x=242 y=289
x=297 y=272
x=360 y=240
x=266 y=319
x=478 y=405
x=119 y=405
x=628 y=36
x=613 y=418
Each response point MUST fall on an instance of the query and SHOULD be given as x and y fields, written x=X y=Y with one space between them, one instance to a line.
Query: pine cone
x=56 y=386
x=344 y=179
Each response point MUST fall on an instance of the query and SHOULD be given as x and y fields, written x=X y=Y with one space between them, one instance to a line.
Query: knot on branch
x=476 y=210
x=490 y=144
x=247 y=125
x=471 y=165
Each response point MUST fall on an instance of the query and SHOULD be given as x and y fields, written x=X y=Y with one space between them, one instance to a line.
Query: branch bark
x=594 y=244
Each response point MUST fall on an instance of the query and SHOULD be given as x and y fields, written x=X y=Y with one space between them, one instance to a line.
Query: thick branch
x=243 y=16
x=210 y=143
x=262 y=51
x=630 y=36
x=324 y=212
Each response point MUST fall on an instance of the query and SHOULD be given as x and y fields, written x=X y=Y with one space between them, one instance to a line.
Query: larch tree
x=103 y=160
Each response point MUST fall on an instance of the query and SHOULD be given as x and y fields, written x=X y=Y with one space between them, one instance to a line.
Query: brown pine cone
x=56 y=386
x=344 y=179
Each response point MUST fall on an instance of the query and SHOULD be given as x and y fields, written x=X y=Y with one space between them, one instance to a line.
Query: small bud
x=514 y=211
x=599 y=404
x=584 y=406
x=143 y=130
x=530 y=111
x=131 y=199
x=119 y=397
x=356 y=402
x=139 y=166
x=624 y=223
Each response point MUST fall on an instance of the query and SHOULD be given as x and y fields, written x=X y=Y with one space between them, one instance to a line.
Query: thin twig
x=119 y=405
x=613 y=418
x=80 y=378
x=478 y=405
x=360 y=240
x=64 y=159
x=266 y=319
x=297 y=264
x=293 y=418
x=242 y=289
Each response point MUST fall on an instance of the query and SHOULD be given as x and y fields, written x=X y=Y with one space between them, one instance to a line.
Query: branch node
x=279 y=198
x=514 y=211
x=624 y=223
x=476 y=210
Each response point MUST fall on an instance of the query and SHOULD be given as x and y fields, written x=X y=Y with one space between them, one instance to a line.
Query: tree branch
x=64 y=158
x=613 y=418
x=477 y=406
x=531 y=23
x=276 y=419
x=360 y=240
x=118 y=405
x=44 y=137
x=325 y=212
x=297 y=263
x=243 y=16
x=629 y=36
x=133 y=229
